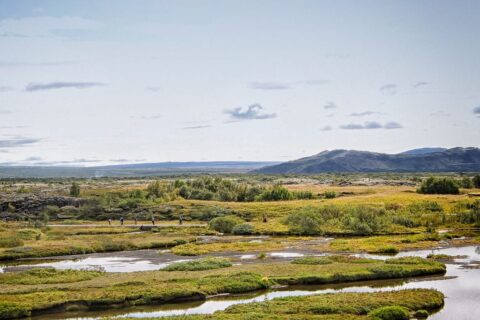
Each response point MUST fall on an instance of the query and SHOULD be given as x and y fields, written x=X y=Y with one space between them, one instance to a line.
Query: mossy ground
x=349 y=306
x=55 y=241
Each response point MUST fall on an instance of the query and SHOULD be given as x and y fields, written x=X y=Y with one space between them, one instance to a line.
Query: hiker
x=180 y=219
x=109 y=221
x=135 y=220
x=153 y=220
x=121 y=221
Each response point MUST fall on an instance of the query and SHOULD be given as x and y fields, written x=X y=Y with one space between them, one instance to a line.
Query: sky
x=104 y=82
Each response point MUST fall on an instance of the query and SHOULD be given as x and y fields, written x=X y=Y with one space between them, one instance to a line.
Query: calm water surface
x=461 y=286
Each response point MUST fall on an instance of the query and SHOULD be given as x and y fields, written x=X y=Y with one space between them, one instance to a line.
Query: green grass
x=394 y=243
x=199 y=265
x=192 y=249
x=444 y=257
x=91 y=243
x=47 y=276
x=312 y=260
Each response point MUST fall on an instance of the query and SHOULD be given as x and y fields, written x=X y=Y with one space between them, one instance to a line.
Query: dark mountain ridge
x=437 y=160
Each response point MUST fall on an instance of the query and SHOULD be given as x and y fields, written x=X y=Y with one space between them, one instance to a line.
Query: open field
x=290 y=233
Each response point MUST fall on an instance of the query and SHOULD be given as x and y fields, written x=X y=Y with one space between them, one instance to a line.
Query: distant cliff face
x=436 y=160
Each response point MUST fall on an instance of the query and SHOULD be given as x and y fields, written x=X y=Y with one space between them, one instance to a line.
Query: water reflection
x=127 y=261
x=461 y=287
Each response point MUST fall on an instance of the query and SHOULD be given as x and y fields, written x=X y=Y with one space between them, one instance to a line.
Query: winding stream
x=461 y=286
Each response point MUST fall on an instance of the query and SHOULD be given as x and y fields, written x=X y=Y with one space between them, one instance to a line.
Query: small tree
x=439 y=186
x=75 y=190
x=304 y=222
x=476 y=181
x=154 y=189
x=225 y=224
x=466 y=183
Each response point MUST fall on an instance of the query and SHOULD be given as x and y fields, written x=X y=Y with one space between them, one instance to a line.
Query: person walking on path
x=121 y=221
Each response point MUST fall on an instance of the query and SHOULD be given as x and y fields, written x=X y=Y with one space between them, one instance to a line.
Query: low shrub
x=304 y=222
x=10 y=242
x=312 y=260
x=243 y=228
x=421 y=314
x=350 y=259
x=390 y=313
x=261 y=256
x=365 y=220
x=386 y=250
x=476 y=181
x=189 y=249
x=29 y=234
x=198 y=265
x=224 y=224
x=408 y=260
x=330 y=194
x=277 y=193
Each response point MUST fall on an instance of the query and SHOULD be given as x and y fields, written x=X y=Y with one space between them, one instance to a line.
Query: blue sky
x=94 y=82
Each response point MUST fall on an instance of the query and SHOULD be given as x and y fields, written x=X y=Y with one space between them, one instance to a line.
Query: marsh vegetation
x=238 y=234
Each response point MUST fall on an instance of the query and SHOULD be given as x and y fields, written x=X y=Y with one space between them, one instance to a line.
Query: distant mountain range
x=424 y=150
x=417 y=160
x=132 y=170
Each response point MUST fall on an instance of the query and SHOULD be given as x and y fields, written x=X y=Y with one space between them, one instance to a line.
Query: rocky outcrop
x=33 y=203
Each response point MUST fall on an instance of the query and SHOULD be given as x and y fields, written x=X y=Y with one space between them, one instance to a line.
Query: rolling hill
x=435 y=160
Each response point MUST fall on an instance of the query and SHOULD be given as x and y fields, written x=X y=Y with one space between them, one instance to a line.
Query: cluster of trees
x=359 y=220
x=434 y=185
x=207 y=188
x=369 y=219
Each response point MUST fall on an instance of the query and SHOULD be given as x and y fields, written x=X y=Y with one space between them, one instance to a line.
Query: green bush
x=10 y=242
x=243 y=228
x=439 y=186
x=466 y=183
x=225 y=224
x=421 y=314
x=277 y=193
x=472 y=216
x=75 y=189
x=390 y=313
x=198 y=265
x=408 y=260
x=330 y=194
x=387 y=250
x=13 y=310
x=303 y=195
x=476 y=181
x=365 y=220
x=304 y=222
x=29 y=234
